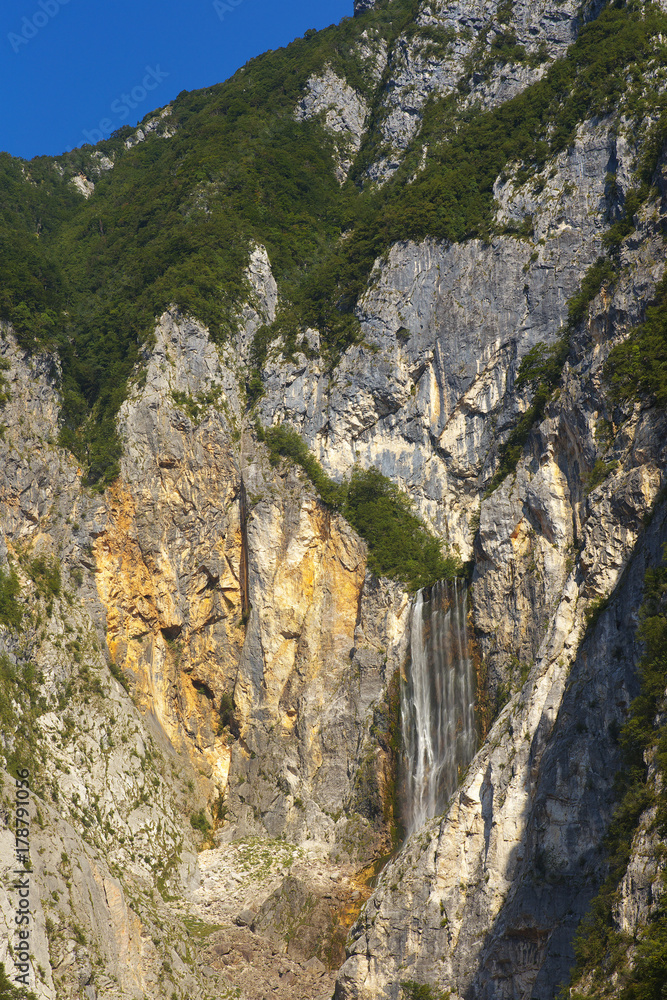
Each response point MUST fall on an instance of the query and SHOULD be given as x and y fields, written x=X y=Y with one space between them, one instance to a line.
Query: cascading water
x=437 y=703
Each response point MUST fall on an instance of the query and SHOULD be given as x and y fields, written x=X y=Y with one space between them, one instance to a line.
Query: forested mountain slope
x=388 y=306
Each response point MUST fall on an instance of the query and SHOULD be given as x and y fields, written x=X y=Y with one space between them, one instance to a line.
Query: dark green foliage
x=174 y=220
x=8 y=692
x=198 y=821
x=602 y=272
x=284 y=441
x=400 y=546
x=32 y=293
x=21 y=703
x=542 y=366
x=4 y=388
x=422 y=991
x=649 y=975
x=227 y=714
x=652 y=148
x=45 y=574
x=10 y=610
x=119 y=675
x=601 y=950
x=600 y=471
x=637 y=368
x=594 y=610
x=10 y=992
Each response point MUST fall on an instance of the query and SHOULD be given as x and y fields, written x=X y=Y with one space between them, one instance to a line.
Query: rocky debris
x=304 y=923
x=265 y=909
x=272 y=886
x=246 y=962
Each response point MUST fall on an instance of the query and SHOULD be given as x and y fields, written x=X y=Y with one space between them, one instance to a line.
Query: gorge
x=332 y=521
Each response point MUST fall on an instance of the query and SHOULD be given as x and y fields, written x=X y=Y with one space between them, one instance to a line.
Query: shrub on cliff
x=10 y=610
x=10 y=992
x=400 y=546
x=637 y=368
x=603 y=951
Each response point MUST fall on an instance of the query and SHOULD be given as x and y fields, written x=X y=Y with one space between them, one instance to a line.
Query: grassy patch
x=423 y=991
x=200 y=928
x=45 y=574
x=259 y=858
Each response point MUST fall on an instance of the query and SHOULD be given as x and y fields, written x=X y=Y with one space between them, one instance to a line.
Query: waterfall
x=437 y=703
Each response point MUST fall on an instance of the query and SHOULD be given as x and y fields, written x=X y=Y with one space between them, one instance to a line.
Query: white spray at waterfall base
x=437 y=703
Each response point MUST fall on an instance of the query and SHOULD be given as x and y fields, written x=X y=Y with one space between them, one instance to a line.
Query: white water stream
x=437 y=703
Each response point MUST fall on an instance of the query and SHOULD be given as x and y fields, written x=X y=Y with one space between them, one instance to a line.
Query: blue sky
x=68 y=66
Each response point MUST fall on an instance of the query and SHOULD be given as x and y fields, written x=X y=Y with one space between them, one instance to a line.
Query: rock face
x=206 y=661
x=105 y=808
x=445 y=328
x=458 y=47
x=490 y=896
x=256 y=647
x=344 y=112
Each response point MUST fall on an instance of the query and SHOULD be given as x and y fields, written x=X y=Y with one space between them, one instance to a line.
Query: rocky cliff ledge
x=198 y=666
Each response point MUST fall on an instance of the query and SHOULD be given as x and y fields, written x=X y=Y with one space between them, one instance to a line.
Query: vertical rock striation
x=438 y=728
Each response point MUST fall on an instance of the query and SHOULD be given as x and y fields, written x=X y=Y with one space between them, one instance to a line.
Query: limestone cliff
x=204 y=679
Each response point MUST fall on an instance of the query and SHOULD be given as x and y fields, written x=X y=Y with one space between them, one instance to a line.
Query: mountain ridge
x=429 y=242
